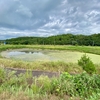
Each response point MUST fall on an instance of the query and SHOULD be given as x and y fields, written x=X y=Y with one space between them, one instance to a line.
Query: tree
x=87 y=64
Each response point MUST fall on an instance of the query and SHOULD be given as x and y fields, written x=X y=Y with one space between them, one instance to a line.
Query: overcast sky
x=48 y=17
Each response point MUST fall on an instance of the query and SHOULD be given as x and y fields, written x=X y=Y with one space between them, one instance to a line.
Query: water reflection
x=30 y=52
x=31 y=56
x=48 y=55
x=14 y=53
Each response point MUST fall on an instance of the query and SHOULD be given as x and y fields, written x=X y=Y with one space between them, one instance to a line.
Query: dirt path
x=34 y=73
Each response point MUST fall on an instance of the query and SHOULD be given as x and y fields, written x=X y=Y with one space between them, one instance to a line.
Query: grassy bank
x=48 y=66
x=44 y=66
x=81 y=86
x=86 y=49
x=65 y=87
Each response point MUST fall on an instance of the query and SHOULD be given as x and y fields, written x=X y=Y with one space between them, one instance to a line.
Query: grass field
x=81 y=86
x=86 y=49
x=50 y=66
x=48 y=55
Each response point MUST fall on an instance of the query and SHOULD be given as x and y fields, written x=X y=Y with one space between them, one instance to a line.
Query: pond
x=48 y=55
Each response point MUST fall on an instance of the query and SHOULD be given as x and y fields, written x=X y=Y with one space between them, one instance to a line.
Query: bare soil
x=35 y=73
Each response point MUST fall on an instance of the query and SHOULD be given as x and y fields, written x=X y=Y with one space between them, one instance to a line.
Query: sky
x=44 y=18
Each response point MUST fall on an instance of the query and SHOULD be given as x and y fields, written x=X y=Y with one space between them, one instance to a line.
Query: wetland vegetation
x=80 y=86
x=48 y=55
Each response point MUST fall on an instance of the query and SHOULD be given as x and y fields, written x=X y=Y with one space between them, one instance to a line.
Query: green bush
x=85 y=84
x=87 y=64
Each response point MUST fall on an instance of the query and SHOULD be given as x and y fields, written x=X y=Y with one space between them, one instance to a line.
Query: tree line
x=64 y=39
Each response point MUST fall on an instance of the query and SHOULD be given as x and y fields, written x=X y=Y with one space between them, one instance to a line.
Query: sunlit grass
x=49 y=66
x=65 y=87
x=86 y=49
x=45 y=66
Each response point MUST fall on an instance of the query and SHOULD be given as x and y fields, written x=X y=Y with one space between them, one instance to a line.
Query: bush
x=85 y=85
x=87 y=64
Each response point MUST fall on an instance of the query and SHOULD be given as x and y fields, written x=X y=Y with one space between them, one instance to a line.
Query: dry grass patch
x=9 y=96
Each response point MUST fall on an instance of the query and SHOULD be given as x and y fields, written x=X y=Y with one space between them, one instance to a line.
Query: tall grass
x=65 y=87
x=80 y=86
x=48 y=66
x=44 y=66
x=86 y=49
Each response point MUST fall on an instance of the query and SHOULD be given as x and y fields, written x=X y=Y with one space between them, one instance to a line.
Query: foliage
x=27 y=87
x=64 y=39
x=87 y=64
x=83 y=85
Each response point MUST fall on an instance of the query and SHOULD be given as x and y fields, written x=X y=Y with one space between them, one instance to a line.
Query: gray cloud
x=48 y=17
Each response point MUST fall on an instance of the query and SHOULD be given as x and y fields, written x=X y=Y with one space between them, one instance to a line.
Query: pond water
x=48 y=55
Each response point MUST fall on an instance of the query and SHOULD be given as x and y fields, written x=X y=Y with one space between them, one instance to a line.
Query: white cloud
x=48 y=17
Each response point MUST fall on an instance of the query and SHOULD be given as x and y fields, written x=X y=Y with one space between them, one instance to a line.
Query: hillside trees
x=64 y=39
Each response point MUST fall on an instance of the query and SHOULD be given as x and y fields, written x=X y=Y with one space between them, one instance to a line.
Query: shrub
x=85 y=84
x=87 y=64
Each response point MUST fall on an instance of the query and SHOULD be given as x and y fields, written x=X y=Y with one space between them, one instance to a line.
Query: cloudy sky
x=48 y=17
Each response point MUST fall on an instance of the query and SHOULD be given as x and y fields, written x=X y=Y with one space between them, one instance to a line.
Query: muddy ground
x=34 y=73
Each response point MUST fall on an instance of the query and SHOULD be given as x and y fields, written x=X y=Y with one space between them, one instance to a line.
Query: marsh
x=48 y=55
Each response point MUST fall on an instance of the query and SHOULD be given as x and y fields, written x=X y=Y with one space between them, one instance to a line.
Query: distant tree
x=64 y=39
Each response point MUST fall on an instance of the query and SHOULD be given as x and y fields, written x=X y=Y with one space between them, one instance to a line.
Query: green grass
x=86 y=49
x=45 y=66
x=50 y=55
x=66 y=87
x=81 y=86
x=48 y=66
